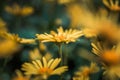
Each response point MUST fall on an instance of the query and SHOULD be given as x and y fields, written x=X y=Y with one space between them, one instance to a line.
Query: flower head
x=60 y=37
x=114 y=6
x=112 y=73
x=8 y=44
x=44 y=68
x=85 y=71
x=109 y=57
x=20 y=76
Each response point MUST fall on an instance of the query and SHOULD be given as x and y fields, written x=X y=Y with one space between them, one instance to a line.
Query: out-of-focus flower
x=109 y=27
x=35 y=54
x=108 y=56
x=85 y=71
x=44 y=68
x=75 y=12
x=20 y=76
x=94 y=25
x=112 y=73
x=26 y=11
x=8 y=44
x=15 y=37
x=61 y=37
x=98 y=26
x=17 y=10
x=114 y=6
x=110 y=59
x=42 y=46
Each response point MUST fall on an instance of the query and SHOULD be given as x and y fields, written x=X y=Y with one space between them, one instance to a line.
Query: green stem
x=60 y=54
x=4 y=65
x=5 y=62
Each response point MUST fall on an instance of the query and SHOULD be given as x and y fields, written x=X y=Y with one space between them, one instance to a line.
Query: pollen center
x=45 y=71
x=60 y=38
x=110 y=57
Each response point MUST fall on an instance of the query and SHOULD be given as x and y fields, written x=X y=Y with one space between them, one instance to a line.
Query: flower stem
x=60 y=54
x=4 y=65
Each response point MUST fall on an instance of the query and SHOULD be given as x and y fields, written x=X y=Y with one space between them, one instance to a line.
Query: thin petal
x=55 y=63
x=60 y=70
x=44 y=62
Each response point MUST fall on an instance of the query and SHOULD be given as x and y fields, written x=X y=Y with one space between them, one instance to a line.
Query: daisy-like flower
x=20 y=76
x=8 y=44
x=110 y=59
x=108 y=56
x=60 y=37
x=11 y=43
x=109 y=34
x=114 y=6
x=44 y=68
x=85 y=71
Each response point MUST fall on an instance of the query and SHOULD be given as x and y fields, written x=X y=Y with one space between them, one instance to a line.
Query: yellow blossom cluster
x=100 y=28
x=85 y=71
x=20 y=11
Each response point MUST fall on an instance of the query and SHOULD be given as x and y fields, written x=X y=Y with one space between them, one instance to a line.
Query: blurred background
x=29 y=17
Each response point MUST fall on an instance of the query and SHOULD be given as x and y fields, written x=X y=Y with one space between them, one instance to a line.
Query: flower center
x=86 y=72
x=60 y=38
x=45 y=71
x=110 y=57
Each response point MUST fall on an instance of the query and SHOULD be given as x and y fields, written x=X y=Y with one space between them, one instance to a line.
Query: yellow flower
x=42 y=46
x=16 y=38
x=17 y=10
x=8 y=44
x=85 y=71
x=97 y=25
x=76 y=14
x=108 y=56
x=60 y=37
x=20 y=76
x=110 y=59
x=104 y=30
x=112 y=73
x=27 y=11
x=114 y=6
x=44 y=68
x=35 y=54
x=38 y=52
